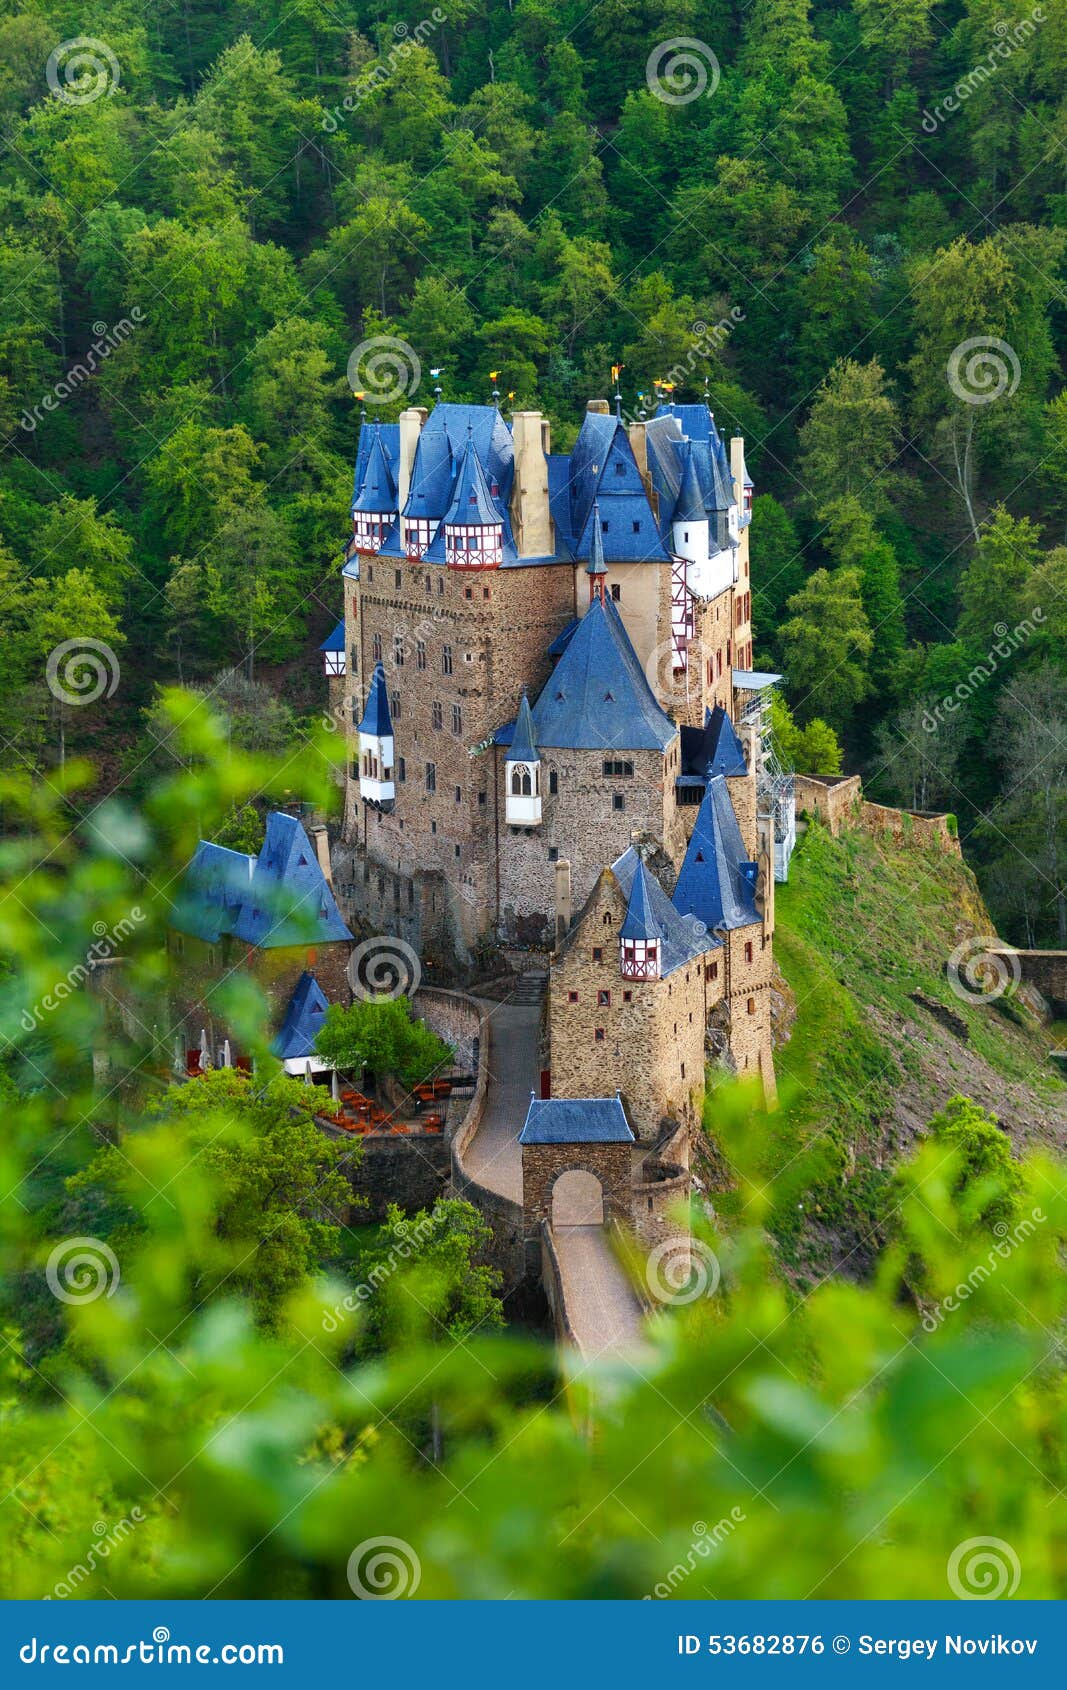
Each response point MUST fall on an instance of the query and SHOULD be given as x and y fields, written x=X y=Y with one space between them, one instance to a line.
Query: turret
x=474 y=527
x=333 y=652
x=376 y=745
x=742 y=480
x=640 y=936
x=376 y=504
x=522 y=769
x=596 y=568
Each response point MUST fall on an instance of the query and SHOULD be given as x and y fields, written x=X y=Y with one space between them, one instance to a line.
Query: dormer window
x=418 y=532
x=369 y=529
x=640 y=959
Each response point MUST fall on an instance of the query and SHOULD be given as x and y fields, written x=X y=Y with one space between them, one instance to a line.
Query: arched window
x=527 y=783
x=516 y=782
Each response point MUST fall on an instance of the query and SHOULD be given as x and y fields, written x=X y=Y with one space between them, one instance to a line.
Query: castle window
x=572 y=997
x=618 y=802
x=599 y=1035
x=598 y=955
x=683 y=1070
x=752 y=1006
x=428 y=584
x=748 y=952
x=457 y=850
x=616 y=591
x=401 y=769
x=420 y=654
x=468 y=592
x=433 y=825
x=440 y=587
x=603 y=1000
x=485 y=592
x=553 y=854
x=618 y=767
x=446 y=660
x=457 y=719
x=353 y=658
x=399 y=579
x=482 y=800
x=370 y=572
x=376 y=648
x=431 y=777
x=398 y=651
x=627 y=997
x=459 y=795
x=436 y=714
x=607 y=919
x=394 y=705
x=553 y=782
x=620 y=467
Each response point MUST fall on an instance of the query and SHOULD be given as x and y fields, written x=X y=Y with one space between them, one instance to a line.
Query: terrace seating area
x=422 y=1110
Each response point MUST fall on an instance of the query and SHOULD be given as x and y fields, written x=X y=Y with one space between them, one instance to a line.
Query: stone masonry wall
x=652 y=1049
x=542 y=1165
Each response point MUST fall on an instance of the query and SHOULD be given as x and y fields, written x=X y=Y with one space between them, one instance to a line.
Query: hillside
x=862 y=924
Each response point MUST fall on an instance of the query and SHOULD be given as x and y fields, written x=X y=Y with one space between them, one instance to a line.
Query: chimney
x=737 y=469
x=321 y=841
x=411 y=422
x=564 y=909
x=639 y=448
x=531 y=519
x=599 y=407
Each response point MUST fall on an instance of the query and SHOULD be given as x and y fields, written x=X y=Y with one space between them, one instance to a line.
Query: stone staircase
x=529 y=988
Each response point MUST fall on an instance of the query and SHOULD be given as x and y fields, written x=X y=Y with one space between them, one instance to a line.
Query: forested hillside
x=850 y=220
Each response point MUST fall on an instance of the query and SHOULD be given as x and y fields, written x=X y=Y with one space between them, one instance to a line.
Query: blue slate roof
x=718 y=880
x=336 y=640
x=471 y=502
x=560 y=643
x=279 y=898
x=683 y=937
x=304 y=1017
x=602 y=468
x=439 y=457
x=640 y=922
x=576 y=1120
x=388 y=436
x=711 y=750
x=690 y=503
x=289 y=901
x=677 y=436
x=596 y=564
x=376 y=489
x=597 y=697
x=523 y=747
x=213 y=888
x=376 y=718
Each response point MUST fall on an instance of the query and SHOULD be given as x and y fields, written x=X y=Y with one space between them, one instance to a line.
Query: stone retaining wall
x=837 y=801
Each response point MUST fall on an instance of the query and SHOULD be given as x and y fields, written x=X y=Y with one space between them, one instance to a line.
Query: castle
x=545 y=670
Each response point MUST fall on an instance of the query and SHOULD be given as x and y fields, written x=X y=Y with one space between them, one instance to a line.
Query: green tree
x=850 y=441
x=381 y=1034
x=826 y=646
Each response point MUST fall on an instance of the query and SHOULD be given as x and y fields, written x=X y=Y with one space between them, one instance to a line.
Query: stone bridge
x=562 y=1241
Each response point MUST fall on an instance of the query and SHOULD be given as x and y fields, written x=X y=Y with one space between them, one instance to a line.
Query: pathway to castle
x=603 y=1311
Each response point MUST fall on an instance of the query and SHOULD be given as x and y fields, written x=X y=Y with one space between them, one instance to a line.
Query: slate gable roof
x=303 y=1021
x=576 y=1120
x=523 y=748
x=717 y=882
x=597 y=697
x=376 y=488
x=279 y=898
x=711 y=750
x=684 y=938
x=640 y=922
x=336 y=640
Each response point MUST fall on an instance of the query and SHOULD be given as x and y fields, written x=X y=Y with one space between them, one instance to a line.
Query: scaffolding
x=775 y=784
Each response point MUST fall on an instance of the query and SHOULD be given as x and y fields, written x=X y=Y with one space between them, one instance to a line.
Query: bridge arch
x=577 y=1198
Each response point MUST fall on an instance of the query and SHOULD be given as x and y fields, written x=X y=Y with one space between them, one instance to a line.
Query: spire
x=690 y=502
x=377 y=721
x=472 y=502
x=640 y=922
x=596 y=568
x=377 y=492
x=523 y=747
